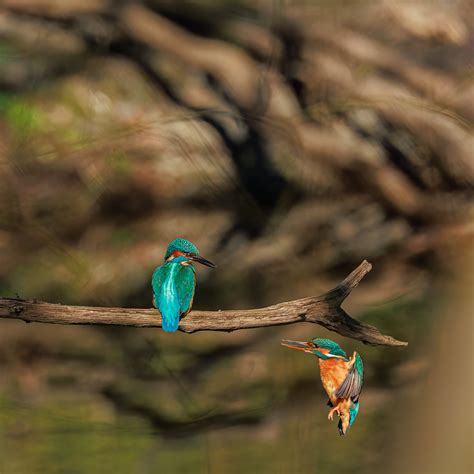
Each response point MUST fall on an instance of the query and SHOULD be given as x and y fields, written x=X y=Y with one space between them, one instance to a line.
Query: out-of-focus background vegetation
x=289 y=141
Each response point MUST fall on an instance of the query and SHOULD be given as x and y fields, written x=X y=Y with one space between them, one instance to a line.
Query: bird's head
x=185 y=251
x=322 y=348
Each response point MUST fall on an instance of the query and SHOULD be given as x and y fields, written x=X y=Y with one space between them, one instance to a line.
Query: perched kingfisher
x=174 y=282
x=342 y=377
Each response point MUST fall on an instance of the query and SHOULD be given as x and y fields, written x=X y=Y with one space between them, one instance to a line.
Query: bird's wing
x=185 y=284
x=157 y=280
x=352 y=384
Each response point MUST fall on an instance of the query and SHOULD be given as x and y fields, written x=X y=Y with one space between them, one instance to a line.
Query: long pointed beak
x=204 y=261
x=301 y=346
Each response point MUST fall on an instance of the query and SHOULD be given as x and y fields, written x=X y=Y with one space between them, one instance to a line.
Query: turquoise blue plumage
x=174 y=282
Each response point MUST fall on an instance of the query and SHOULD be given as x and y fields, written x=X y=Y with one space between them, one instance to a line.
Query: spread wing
x=352 y=384
x=185 y=284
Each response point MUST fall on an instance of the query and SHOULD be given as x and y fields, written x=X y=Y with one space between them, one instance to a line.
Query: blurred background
x=289 y=140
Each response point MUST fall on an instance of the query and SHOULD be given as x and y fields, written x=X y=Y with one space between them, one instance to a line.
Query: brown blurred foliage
x=289 y=141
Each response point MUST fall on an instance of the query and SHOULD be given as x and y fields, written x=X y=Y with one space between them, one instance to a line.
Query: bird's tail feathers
x=340 y=428
x=169 y=324
x=169 y=315
x=353 y=410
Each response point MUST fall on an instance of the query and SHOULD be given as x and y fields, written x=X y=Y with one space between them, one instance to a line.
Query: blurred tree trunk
x=437 y=436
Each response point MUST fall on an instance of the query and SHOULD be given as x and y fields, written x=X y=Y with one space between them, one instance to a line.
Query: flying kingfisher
x=174 y=282
x=342 y=377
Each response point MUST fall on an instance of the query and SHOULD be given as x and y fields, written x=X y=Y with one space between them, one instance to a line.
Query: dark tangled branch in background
x=287 y=104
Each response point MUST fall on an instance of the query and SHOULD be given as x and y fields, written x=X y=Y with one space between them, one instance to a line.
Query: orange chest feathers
x=333 y=372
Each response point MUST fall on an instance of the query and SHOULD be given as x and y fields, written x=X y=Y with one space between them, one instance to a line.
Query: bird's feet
x=332 y=411
x=352 y=359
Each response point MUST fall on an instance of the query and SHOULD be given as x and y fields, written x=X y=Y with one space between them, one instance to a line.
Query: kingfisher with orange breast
x=174 y=282
x=342 y=377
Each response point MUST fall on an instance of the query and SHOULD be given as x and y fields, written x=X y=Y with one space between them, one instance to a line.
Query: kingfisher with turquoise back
x=342 y=377
x=174 y=282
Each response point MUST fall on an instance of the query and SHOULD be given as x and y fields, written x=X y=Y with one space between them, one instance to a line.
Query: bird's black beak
x=302 y=346
x=204 y=261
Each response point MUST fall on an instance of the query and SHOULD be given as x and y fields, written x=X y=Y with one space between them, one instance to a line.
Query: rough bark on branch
x=324 y=310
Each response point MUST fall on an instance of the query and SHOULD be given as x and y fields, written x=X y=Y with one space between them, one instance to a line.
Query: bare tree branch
x=324 y=310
